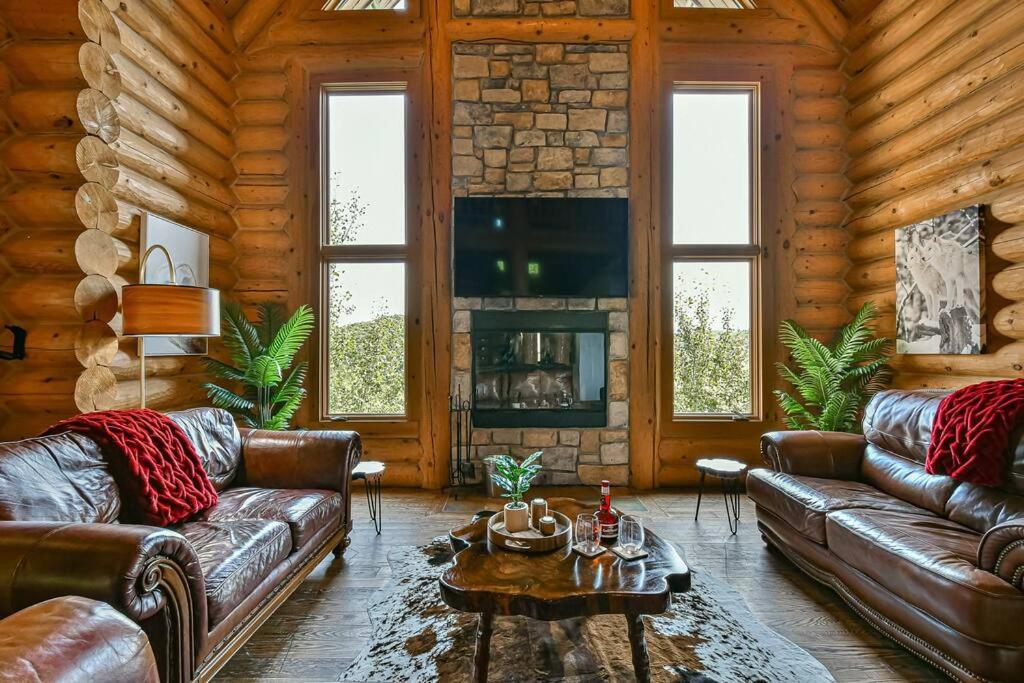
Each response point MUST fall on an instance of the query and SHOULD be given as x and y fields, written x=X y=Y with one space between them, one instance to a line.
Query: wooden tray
x=531 y=540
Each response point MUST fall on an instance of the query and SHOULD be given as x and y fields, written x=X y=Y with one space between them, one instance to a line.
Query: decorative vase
x=517 y=517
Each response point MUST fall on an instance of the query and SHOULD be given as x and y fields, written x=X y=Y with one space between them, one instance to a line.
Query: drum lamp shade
x=170 y=310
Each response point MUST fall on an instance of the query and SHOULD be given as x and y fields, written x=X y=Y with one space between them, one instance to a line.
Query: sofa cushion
x=898 y=429
x=929 y=562
x=59 y=478
x=803 y=502
x=305 y=511
x=216 y=439
x=235 y=558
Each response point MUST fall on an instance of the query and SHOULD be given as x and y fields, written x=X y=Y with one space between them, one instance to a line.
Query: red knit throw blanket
x=159 y=470
x=972 y=431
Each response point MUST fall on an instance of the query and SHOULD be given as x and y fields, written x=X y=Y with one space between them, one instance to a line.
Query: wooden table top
x=559 y=584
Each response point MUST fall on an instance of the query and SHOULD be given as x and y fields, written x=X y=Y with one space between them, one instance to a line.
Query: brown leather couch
x=199 y=590
x=935 y=564
x=74 y=640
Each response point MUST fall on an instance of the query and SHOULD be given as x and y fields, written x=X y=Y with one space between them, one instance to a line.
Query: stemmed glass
x=587 y=531
x=631 y=534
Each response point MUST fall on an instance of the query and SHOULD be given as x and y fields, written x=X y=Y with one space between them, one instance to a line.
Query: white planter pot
x=517 y=518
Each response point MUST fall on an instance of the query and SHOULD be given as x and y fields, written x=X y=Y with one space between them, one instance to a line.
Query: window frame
x=753 y=252
x=324 y=254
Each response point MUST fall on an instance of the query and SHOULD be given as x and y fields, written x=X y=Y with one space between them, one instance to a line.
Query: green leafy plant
x=513 y=476
x=833 y=382
x=263 y=354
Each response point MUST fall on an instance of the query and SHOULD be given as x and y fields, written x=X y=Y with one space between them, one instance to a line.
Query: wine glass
x=586 y=530
x=631 y=534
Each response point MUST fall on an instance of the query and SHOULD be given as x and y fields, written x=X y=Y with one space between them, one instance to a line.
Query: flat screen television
x=526 y=246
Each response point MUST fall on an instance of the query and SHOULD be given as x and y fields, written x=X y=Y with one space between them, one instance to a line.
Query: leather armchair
x=74 y=640
x=828 y=455
x=1001 y=551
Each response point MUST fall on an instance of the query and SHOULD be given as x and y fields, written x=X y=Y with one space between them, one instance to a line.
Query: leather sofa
x=74 y=640
x=935 y=564
x=200 y=589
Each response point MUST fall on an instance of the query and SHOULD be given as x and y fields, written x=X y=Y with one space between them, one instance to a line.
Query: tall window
x=715 y=250
x=363 y=250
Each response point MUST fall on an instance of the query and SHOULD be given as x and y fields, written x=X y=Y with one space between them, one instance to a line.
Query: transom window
x=363 y=250
x=715 y=250
x=343 y=5
x=714 y=4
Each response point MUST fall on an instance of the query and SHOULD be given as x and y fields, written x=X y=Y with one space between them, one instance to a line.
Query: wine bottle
x=608 y=519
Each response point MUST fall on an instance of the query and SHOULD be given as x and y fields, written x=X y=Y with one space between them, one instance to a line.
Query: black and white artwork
x=190 y=251
x=939 y=284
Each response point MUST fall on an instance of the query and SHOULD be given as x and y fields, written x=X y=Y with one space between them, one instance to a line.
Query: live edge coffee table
x=560 y=585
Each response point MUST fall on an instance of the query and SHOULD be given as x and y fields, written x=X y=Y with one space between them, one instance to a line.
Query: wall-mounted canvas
x=190 y=251
x=940 y=270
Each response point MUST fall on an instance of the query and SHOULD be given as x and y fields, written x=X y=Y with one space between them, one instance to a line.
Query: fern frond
x=291 y=336
x=223 y=370
x=227 y=399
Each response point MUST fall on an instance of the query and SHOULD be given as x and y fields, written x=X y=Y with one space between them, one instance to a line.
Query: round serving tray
x=531 y=540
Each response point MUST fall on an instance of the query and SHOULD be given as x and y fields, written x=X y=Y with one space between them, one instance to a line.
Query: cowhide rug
x=709 y=635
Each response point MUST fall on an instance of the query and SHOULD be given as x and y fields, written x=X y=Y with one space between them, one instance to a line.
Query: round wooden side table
x=372 y=473
x=730 y=473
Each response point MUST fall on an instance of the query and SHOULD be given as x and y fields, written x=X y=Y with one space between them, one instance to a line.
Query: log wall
x=39 y=274
x=119 y=108
x=936 y=123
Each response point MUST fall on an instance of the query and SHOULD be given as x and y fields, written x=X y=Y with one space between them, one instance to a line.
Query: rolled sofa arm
x=136 y=569
x=315 y=459
x=829 y=455
x=1001 y=552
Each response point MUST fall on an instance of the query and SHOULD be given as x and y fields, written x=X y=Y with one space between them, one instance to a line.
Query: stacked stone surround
x=541 y=120
x=541 y=8
x=547 y=120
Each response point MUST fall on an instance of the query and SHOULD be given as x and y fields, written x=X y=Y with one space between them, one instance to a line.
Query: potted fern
x=833 y=382
x=515 y=478
x=263 y=355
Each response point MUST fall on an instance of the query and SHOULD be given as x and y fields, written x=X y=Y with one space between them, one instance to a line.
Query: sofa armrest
x=138 y=570
x=74 y=638
x=1001 y=551
x=829 y=455
x=316 y=459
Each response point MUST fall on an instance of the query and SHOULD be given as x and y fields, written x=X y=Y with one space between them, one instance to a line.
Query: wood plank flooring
x=318 y=632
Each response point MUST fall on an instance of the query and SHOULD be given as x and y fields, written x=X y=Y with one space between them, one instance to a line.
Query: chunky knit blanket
x=972 y=430
x=155 y=464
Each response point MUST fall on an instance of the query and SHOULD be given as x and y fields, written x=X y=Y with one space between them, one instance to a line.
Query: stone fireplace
x=544 y=120
x=539 y=369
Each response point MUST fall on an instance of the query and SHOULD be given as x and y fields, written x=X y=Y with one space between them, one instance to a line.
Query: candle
x=538 y=509
x=547 y=525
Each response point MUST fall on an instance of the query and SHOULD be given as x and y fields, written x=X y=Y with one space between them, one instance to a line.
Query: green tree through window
x=711 y=358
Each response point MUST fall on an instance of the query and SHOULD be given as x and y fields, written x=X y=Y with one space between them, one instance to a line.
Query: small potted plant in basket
x=515 y=478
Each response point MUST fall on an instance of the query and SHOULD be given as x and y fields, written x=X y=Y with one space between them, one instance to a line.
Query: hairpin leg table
x=730 y=472
x=372 y=473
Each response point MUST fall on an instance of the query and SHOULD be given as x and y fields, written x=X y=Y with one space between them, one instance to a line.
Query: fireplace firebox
x=539 y=368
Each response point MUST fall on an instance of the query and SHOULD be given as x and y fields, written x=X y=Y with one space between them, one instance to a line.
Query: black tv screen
x=512 y=246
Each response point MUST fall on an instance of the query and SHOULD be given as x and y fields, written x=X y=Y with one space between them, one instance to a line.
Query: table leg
x=482 y=658
x=700 y=494
x=641 y=661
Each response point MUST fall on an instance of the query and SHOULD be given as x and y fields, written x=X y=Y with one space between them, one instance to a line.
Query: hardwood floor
x=318 y=632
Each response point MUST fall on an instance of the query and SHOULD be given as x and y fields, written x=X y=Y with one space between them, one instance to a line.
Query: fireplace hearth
x=540 y=368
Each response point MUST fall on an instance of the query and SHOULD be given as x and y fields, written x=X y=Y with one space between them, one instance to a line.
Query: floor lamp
x=170 y=310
